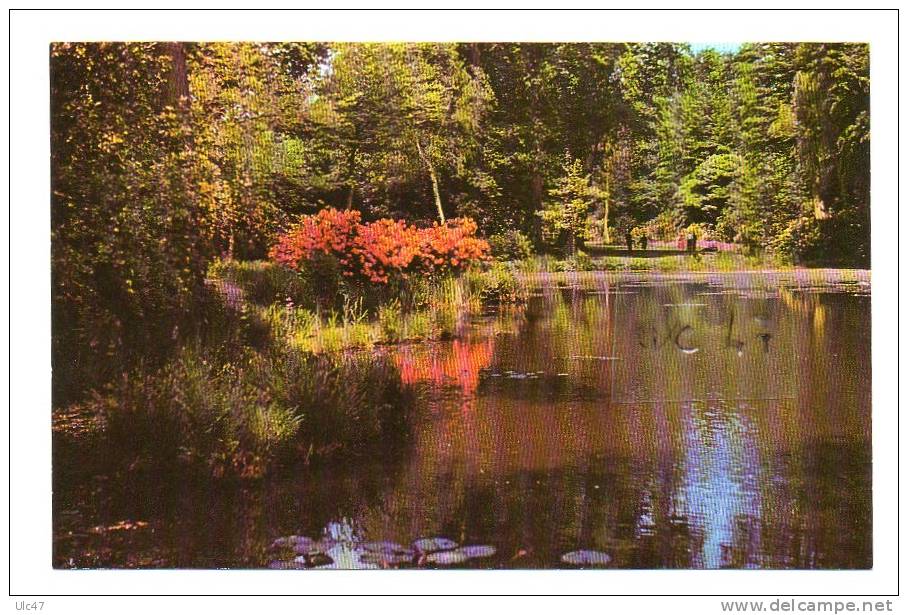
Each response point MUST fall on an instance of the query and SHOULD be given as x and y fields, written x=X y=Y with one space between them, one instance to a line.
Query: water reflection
x=458 y=363
x=703 y=425
x=722 y=479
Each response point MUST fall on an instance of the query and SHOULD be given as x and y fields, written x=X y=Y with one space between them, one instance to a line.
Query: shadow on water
x=635 y=424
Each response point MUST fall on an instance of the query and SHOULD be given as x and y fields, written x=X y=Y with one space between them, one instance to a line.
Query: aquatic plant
x=245 y=414
x=500 y=285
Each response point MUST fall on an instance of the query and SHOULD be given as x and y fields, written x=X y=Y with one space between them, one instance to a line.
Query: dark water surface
x=703 y=422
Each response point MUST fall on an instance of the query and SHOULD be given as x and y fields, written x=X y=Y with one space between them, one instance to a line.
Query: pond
x=696 y=421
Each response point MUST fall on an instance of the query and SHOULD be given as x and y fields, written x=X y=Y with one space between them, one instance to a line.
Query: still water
x=694 y=422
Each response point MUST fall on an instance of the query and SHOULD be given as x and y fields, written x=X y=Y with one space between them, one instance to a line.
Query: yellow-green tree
x=572 y=200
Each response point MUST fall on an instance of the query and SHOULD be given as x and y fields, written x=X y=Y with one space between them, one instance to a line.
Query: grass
x=270 y=380
x=670 y=263
x=249 y=413
x=280 y=304
x=415 y=309
x=263 y=282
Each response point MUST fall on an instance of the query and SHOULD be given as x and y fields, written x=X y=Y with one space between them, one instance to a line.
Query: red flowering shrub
x=452 y=246
x=330 y=232
x=384 y=247
x=378 y=250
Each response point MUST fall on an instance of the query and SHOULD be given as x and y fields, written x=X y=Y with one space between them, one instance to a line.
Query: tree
x=406 y=109
x=652 y=78
x=167 y=155
x=831 y=106
x=128 y=249
x=572 y=200
x=705 y=193
x=248 y=98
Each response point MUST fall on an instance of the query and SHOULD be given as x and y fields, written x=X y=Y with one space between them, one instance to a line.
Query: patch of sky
x=720 y=47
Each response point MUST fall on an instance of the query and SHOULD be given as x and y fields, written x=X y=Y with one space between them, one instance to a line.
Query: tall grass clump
x=500 y=284
x=251 y=413
x=264 y=282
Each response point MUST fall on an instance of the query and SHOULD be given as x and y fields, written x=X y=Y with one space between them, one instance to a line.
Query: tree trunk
x=475 y=54
x=350 y=195
x=441 y=212
x=532 y=58
x=606 y=240
x=434 y=177
x=177 y=93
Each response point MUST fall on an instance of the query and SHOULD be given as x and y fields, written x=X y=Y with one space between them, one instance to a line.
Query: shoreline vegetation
x=279 y=379
x=210 y=307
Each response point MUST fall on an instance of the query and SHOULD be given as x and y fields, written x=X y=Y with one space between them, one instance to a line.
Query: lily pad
x=301 y=544
x=446 y=558
x=314 y=559
x=430 y=545
x=476 y=551
x=291 y=565
x=586 y=558
x=387 y=559
x=385 y=546
x=343 y=556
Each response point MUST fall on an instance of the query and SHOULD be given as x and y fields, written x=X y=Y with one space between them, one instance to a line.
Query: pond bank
x=800 y=276
x=258 y=387
x=638 y=421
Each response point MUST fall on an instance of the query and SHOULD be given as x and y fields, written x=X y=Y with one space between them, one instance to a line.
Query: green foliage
x=245 y=98
x=664 y=227
x=579 y=261
x=166 y=156
x=499 y=285
x=264 y=282
x=800 y=239
x=128 y=248
x=407 y=115
x=831 y=109
x=567 y=211
x=511 y=245
x=700 y=231
x=624 y=226
x=705 y=193
x=275 y=307
x=245 y=415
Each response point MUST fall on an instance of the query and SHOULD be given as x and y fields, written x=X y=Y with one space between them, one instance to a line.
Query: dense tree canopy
x=167 y=155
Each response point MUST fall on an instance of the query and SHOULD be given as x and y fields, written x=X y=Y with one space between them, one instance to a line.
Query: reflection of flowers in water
x=460 y=363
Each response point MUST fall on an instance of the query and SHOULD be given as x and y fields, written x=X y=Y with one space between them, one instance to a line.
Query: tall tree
x=128 y=235
x=572 y=200
x=402 y=108
x=831 y=105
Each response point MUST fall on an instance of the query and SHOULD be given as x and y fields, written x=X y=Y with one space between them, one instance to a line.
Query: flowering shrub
x=452 y=246
x=379 y=250
x=330 y=232
x=384 y=247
